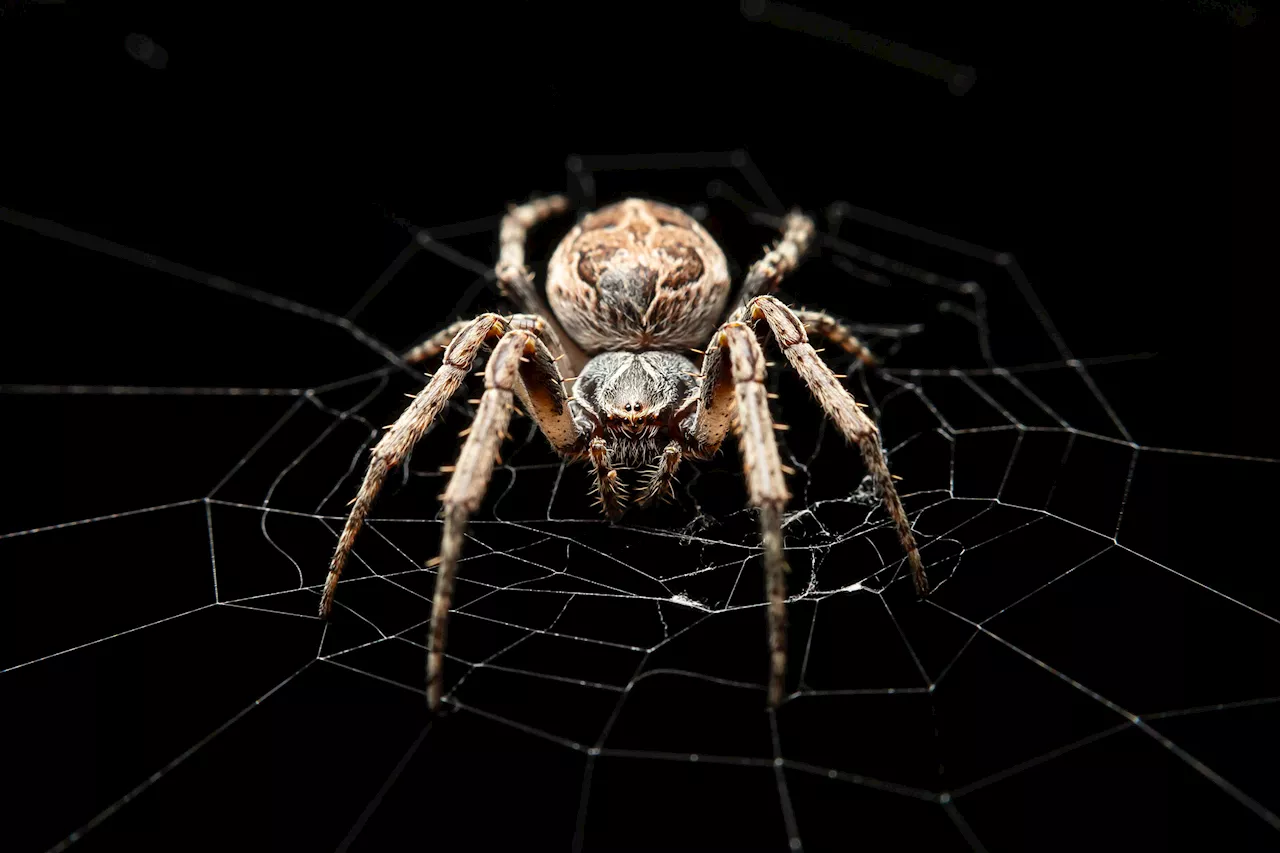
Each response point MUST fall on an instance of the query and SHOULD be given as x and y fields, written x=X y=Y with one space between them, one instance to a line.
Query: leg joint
x=787 y=329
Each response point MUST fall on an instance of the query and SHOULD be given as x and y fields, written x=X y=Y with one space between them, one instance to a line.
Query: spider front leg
x=392 y=449
x=733 y=370
x=433 y=345
x=466 y=489
x=438 y=341
x=520 y=367
x=848 y=416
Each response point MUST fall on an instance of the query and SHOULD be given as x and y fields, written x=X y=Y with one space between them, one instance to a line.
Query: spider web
x=603 y=679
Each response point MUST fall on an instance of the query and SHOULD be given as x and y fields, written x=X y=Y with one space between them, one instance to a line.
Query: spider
x=631 y=288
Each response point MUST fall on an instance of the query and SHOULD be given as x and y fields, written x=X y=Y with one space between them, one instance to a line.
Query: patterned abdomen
x=638 y=275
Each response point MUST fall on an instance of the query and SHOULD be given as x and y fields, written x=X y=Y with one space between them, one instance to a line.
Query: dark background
x=1117 y=150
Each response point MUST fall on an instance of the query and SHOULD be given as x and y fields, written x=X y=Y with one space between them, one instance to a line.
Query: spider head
x=633 y=395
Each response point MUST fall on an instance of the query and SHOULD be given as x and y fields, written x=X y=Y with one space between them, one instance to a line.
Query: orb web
x=621 y=668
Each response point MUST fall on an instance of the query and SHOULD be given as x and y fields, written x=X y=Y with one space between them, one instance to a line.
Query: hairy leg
x=767 y=273
x=837 y=332
x=467 y=486
x=532 y=323
x=848 y=416
x=538 y=384
x=392 y=449
x=515 y=279
x=732 y=391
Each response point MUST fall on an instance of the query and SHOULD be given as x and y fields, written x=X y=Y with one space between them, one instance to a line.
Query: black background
x=1117 y=150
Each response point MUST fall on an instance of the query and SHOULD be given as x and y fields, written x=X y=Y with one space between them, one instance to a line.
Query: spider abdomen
x=638 y=275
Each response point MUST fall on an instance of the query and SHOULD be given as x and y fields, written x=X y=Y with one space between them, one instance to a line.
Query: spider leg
x=540 y=386
x=837 y=332
x=395 y=445
x=515 y=279
x=767 y=273
x=662 y=481
x=435 y=344
x=732 y=391
x=468 y=484
x=840 y=406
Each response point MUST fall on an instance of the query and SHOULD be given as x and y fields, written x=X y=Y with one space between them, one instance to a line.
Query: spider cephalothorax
x=633 y=287
x=632 y=400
